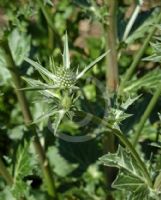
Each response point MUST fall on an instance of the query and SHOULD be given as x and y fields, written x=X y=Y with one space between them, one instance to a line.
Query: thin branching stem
x=123 y=139
x=51 y=28
x=46 y=14
x=5 y=174
x=52 y=32
x=139 y=55
x=49 y=180
x=146 y=114
x=51 y=38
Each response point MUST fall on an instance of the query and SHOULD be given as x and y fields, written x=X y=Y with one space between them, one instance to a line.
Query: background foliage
x=36 y=29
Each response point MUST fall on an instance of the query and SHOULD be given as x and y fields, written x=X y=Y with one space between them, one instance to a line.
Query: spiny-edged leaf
x=23 y=161
x=130 y=177
x=122 y=160
x=149 y=81
x=23 y=167
x=155 y=57
x=128 y=181
x=41 y=69
x=143 y=193
x=60 y=165
x=121 y=116
x=118 y=114
x=91 y=65
x=129 y=102
x=66 y=56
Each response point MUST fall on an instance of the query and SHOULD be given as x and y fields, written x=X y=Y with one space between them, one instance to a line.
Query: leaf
x=88 y=67
x=149 y=81
x=118 y=114
x=142 y=193
x=6 y=194
x=156 y=49
x=66 y=56
x=41 y=69
x=145 y=27
x=60 y=165
x=19 y=43
x=130 y=177
x=4 y=72
x=23 y=167
x=126 y=180
x=122 y=159
x=129 y=102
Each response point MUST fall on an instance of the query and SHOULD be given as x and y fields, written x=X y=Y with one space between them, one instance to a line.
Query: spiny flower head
x=59 y=82
x=65 y=78
x=62 y=76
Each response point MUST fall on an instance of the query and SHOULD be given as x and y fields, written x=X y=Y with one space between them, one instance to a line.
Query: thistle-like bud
x=64 y=78
x=59 y=84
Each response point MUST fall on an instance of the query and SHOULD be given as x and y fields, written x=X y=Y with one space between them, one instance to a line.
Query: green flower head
x=59 y=83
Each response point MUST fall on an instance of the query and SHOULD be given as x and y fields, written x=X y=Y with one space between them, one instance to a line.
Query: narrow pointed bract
x=41 y=69
x=39 y=88
x=91 y=65
x=58 y=119
x=51 y=112
x=66 y=56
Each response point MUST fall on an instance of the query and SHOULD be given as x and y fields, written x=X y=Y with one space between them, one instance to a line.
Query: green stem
x=123 y=139
x=46 y=14
x=139 y=55
x=51 y=28
x=146 y=114
x=51 y=38
x=5 y=174
x=111 y=44
x=53 y=34
x=28 y=119
x=111 y=59
x=112 y=80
